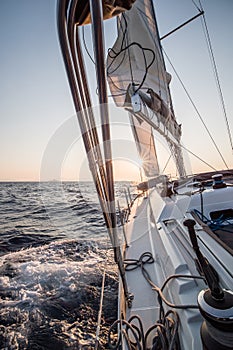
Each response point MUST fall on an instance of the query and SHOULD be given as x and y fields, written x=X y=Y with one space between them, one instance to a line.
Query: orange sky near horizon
x=36 y=102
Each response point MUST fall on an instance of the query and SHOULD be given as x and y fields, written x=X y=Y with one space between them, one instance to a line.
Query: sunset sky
x=39 y=135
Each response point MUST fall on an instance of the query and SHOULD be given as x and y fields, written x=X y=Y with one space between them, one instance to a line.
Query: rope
x=216 y=224
x=100 y=312
x=125 y=47
x=164 y=331
x=147 y=258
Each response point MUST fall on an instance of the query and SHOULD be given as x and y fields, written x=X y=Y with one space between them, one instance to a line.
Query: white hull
x=155 y=225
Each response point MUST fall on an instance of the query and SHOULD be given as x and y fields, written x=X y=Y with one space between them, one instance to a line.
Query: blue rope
x=216 y=224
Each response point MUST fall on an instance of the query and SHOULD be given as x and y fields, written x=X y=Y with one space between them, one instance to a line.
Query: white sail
x=144 y=139
x=136 y=56
x=134 y=62
x=138 y=81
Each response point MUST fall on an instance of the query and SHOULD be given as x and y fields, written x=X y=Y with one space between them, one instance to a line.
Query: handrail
x=102 y=173
x=76 y=82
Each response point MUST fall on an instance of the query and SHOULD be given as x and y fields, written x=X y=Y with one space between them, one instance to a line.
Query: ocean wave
x=50 y=296
x=54 y=249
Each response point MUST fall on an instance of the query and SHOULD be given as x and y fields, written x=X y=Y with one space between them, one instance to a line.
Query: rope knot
x=132 y=264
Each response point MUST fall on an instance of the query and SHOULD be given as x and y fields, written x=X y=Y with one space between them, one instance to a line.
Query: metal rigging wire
x=198 y=113
x=85 y=45
x=196 y=156
x=215 y=70
x=199 y=9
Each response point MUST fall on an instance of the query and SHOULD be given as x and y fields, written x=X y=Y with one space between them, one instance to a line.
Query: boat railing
x=100 y=162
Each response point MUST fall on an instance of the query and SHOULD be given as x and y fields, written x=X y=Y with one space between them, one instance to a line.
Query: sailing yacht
x=174 y=248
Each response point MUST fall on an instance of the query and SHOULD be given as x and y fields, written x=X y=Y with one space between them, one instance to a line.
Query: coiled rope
x=164 y=332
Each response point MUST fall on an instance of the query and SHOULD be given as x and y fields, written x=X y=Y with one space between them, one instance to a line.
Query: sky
x=39 y=135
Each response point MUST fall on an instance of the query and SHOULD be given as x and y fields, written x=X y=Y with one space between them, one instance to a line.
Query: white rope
x=100 y=312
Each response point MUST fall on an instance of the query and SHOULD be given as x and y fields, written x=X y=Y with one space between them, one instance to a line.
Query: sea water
x=54 y=250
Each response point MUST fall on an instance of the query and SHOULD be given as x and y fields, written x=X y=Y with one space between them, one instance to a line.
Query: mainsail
x=144 y=139
x=138 y=81
x=136 y=57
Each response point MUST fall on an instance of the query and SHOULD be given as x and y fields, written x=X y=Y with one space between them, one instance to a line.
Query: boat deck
x=226 y=235
x=143 y=236
x=140 y=240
